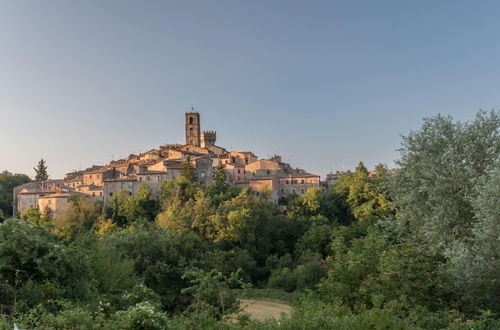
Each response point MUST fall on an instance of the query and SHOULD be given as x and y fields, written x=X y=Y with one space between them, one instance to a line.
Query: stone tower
x=208 y=138
x=193 y=128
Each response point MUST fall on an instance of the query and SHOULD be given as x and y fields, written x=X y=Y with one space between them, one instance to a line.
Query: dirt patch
x=261 y=310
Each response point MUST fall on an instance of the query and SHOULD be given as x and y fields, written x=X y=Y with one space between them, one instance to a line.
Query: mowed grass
x=261 y=310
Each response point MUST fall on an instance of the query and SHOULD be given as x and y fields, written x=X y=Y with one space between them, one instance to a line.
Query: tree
x=36 y=268
x=41 y=171
x=439 y=169
x=82 y=213
x=7 y=183
x=220 y=184
x=188 y=171
x=365 y=196
x=474 y=262
x=142 y=206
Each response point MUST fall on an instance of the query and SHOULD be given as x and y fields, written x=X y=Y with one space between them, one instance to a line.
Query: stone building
x=58 y=203
x=193 y=128
x=263 y=167
x=331 y=179
x=98 y=176
x=266 y=184
x=297 y=183
x=91 y=190
x=26 y=196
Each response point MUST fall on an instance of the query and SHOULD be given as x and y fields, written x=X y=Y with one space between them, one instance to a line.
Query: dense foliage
x=414 y=249
x=7 y=183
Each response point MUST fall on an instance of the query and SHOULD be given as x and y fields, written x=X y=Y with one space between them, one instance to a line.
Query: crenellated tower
x=208 y=138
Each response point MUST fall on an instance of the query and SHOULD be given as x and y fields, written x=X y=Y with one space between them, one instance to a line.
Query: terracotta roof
x=151 y=172
x=61 y=195
x=121 y=179
x=298 y=175
x=90 y=186
x=79 y=177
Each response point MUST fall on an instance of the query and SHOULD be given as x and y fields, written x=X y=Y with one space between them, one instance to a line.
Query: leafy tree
x=41 y=171
x=320 y=205
x=34 y=215
x=352 y=261
x=317 y=239
x=365 y=196
x=474 y=262
x=160 y=258
x=117 y=211
x=189 y=172
x=81 y=215
x=211 y=291
x=219 y=186
x=142 y=206
x=7 y=183
x=36 y=267
x=438 y=173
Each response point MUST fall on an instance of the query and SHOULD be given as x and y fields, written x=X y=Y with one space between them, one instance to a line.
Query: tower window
x=190 y=131
x=191 y=120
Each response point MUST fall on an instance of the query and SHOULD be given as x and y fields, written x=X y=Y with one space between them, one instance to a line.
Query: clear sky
x=323 y=83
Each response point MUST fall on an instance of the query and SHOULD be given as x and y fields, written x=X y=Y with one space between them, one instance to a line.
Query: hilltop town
x=165 y=163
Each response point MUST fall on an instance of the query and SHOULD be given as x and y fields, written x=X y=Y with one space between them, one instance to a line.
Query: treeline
x=414 y=249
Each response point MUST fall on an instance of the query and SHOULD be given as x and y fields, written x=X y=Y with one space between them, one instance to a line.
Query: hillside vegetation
x=417 y=249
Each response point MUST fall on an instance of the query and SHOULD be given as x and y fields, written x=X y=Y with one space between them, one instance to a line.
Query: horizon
x=324 y=86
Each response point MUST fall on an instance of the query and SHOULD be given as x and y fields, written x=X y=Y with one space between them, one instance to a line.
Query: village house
x=297 y=183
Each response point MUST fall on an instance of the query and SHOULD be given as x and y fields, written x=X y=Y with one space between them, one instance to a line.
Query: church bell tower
x=193 y=128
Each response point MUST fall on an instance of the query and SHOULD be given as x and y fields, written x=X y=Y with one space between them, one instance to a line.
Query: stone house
x=297 y=183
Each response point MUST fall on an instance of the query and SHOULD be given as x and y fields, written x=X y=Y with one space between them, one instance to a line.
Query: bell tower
x=193 y=128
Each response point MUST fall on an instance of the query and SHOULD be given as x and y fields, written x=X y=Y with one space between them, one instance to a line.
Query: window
x=191 y=131
x=140 y=178
x=302 y=190
x=238 y=171
x=287 y=182
x=93 y=194
x=191 y=120
x=268 y=172
x=302 y=181
x=148 y=178
x=129 y=193
x=100 y=194
x=282 y=191
x=110 y=194
x=90 y=176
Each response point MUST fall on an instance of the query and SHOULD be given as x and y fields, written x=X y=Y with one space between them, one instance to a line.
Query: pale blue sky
x=323 y=83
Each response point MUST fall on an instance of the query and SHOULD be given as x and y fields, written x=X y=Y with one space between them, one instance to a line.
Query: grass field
x=261 y=309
